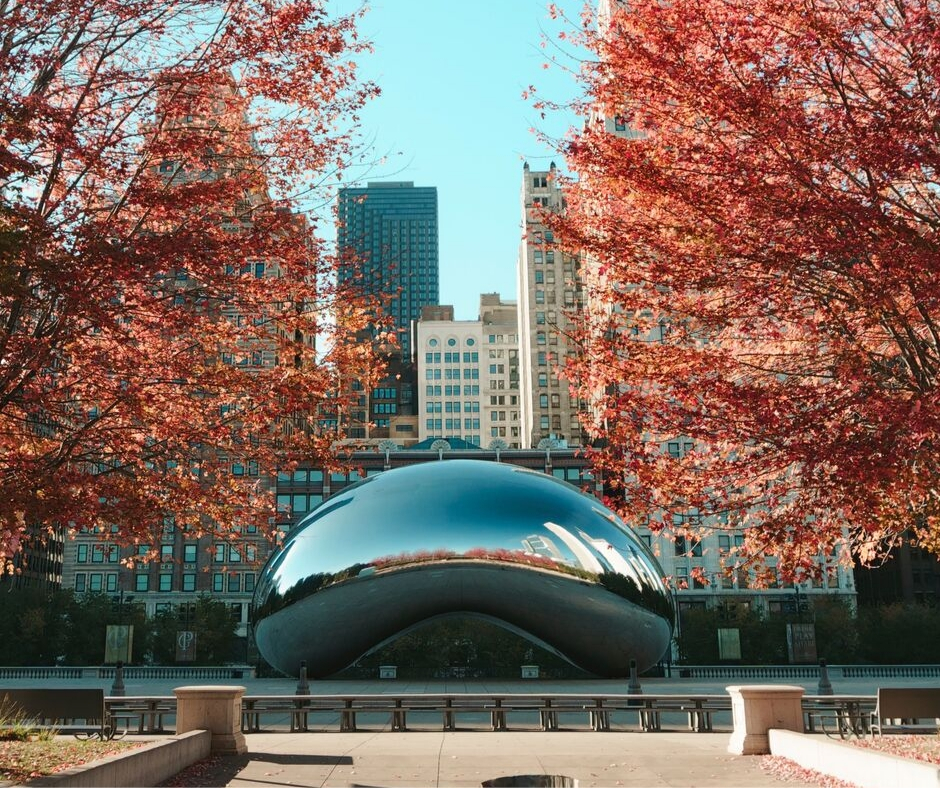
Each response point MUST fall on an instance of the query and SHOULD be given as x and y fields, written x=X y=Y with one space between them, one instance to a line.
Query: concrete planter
x=148 y=765
x=863 y=767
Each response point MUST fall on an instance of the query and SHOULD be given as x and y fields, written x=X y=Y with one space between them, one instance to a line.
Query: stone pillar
x=757 y=708
x=214 y=709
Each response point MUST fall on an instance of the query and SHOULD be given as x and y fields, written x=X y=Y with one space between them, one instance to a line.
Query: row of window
x=96 y=582
x=452 y=358
x=471 y=406
x=501 y=432
x=100 y=553
x=452 y=424
x=233 y=582
x=451 y=342
x=469 y=373
x=297 y=504
x=453 y=390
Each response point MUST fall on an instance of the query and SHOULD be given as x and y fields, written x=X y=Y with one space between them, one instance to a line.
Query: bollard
x=303 y=686
x=117 y=687
x=298 y=721
x=633 y=685
x=825 y=686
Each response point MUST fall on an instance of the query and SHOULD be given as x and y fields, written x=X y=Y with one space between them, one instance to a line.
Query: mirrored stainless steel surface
x=510 y=544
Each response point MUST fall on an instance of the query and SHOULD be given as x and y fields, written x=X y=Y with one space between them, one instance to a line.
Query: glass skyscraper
x=387 y=237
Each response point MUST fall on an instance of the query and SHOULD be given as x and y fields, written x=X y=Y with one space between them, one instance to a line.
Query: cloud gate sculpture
x=518 y=547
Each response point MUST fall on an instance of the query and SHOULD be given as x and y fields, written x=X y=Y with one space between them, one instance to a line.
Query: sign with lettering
x=801 y=642
x=185 y=646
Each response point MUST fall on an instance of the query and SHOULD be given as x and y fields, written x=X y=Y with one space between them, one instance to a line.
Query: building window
x=249 y=582
x=83 y=554
x=142 y=583
x=189 y=553
x=234 y=583
x=97 y=554
x=189 y=581
x=166 y=553
x=166 y=582
x=80 y=582
x=218 y=582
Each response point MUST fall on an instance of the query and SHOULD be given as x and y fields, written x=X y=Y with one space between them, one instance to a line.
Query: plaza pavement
x=468 y=758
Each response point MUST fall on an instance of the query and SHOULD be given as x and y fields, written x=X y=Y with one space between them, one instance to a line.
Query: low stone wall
x=148 y=765
x=863 y=767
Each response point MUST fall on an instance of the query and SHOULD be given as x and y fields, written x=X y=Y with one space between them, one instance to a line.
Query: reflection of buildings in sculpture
x=544 y=546
x=632 y=566
x=304 y=489
x=582 y=555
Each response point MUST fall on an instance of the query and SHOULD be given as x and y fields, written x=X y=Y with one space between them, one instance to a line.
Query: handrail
x=343 y=709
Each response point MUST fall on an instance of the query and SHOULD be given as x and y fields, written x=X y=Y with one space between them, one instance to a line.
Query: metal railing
x=133 y=671
x=494 y=711
x=801 y=671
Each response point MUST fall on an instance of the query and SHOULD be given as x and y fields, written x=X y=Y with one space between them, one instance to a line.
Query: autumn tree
x=170 y=330
x=757 y=194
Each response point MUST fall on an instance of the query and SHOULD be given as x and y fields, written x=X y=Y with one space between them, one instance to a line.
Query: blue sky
x=451 y=115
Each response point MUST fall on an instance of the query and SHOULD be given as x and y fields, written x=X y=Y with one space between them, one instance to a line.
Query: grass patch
x=26 y=760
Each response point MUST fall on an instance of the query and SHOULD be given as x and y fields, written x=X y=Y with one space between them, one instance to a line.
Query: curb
x=145 y=766
x=863 y=767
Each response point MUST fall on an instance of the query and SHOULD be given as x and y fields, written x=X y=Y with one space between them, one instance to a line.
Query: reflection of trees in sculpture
x=646 y=597
x=465 y=647
x=304 y=588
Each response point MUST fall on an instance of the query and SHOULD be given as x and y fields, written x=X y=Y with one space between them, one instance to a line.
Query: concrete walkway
x=368 y=759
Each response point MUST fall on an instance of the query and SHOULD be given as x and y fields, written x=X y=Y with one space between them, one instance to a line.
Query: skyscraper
x=549 y=296
x=387 y=236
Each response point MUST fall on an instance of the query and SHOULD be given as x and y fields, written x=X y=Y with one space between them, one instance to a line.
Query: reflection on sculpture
x=516 y=546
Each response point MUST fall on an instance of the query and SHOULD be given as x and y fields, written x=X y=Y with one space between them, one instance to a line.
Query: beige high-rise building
x=549 y=294
x=468 y=374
